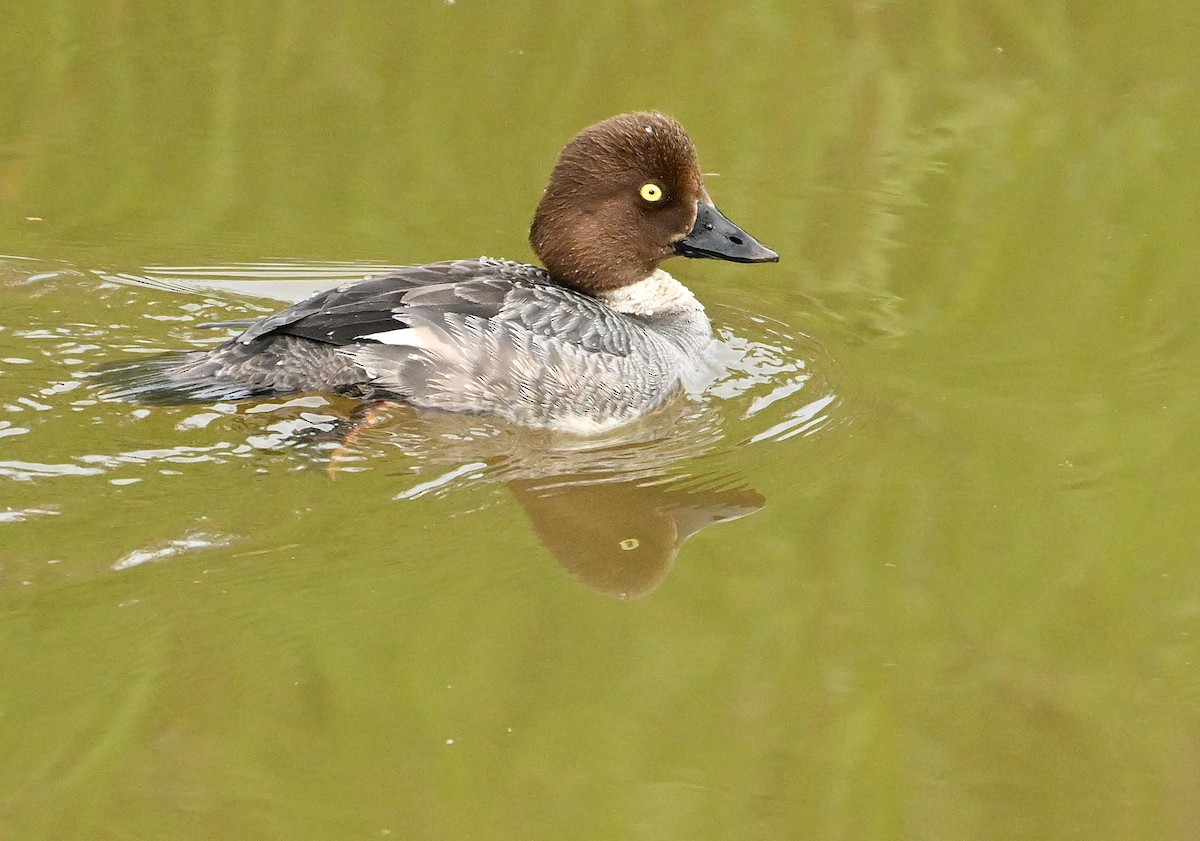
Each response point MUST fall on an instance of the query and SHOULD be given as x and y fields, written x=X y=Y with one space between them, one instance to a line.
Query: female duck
x=597 y=338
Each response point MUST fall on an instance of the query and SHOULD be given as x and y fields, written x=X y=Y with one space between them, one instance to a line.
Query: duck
x=594 y=338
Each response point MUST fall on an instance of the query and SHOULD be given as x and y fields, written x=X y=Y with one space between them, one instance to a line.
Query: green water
x=949 y=587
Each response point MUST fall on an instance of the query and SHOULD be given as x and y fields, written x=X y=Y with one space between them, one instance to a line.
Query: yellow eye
x=651 y=192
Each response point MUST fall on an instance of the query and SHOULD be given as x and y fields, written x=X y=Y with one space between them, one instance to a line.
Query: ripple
x=21 y=515
x=779 y=383
x=283 y=281
x=27 y=471
x=194 y=541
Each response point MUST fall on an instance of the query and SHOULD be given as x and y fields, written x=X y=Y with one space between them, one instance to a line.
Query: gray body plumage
x=484 y=335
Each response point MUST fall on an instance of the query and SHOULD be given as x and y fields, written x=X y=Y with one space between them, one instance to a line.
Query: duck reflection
x=614 y=512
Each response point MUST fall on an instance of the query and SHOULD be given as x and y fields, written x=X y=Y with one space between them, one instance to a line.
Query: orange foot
x=368 y=417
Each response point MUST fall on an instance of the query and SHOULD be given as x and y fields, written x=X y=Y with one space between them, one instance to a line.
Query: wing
x=345 y=313
x=445 y=298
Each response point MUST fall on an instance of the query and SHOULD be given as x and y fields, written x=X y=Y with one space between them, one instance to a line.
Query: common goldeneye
x=597 y=338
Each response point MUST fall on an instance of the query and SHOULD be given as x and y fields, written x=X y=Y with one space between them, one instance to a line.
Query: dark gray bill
x=715 y=236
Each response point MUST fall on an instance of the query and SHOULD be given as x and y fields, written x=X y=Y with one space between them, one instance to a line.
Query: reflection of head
x=621 y=537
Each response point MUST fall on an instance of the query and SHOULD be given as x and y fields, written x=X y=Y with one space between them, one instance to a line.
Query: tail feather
x=272 y=366
x=165 y=381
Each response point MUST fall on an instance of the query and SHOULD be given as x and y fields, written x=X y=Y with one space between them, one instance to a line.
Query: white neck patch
x=656 y=294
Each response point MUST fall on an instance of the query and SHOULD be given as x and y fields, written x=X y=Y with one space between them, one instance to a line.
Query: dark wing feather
x=341 y=315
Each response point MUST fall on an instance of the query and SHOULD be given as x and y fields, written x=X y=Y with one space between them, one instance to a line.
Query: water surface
x=921 y=564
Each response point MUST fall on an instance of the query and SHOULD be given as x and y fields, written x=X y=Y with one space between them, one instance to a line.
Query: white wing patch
x=418 y=338
x=399 y=336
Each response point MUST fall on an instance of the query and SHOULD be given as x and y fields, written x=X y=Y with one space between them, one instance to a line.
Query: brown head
x=626 y=194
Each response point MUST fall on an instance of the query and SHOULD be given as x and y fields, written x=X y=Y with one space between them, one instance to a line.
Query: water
x=922 y=564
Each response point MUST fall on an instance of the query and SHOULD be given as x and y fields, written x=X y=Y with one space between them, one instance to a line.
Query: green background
x=968 y=606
